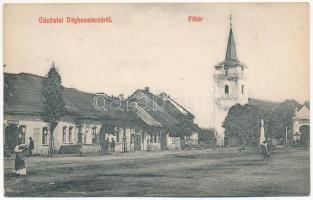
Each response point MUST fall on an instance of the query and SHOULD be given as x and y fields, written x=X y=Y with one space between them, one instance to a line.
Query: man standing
x=31 y=146
x=107 y=146
x=112 y=145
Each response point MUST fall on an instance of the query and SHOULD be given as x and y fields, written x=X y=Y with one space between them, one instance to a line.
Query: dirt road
x=163 y=173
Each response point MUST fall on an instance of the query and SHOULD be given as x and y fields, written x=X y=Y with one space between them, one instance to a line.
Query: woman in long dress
x=20 y=166
x=264 y=150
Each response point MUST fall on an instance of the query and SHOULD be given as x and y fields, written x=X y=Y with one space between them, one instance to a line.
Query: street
x=224 y=172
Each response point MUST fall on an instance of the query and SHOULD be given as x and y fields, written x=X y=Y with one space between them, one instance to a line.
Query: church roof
x=265 y=105
x=231 y=54
x=231 y=48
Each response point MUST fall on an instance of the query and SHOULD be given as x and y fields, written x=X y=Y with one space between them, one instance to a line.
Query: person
x=112 y=145
x=31 y=146
x=264 y=150
x=20 y=166
x=269 y=146
x=214 y=143
x=107 y=146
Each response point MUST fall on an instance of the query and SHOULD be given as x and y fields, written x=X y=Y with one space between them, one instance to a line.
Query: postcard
x=156 y=100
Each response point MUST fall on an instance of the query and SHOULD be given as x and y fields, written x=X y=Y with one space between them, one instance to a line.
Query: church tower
x=230 y=85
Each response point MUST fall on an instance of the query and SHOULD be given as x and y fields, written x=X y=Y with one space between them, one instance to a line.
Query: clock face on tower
x=226 y=67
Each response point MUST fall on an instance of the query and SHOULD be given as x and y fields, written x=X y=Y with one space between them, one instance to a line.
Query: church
x=230 y=85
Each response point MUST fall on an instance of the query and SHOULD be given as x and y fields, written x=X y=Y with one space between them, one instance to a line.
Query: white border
x=145 y=1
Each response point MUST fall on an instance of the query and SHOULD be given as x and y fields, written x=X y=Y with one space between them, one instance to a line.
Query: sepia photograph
x=156 y=99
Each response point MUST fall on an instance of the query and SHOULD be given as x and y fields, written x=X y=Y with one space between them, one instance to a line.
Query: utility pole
x=286 y=142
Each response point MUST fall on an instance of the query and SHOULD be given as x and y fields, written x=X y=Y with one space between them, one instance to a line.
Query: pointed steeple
x=231 y=49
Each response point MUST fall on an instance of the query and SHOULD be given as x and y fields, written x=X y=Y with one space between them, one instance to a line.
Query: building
x=89 y=120
x=301 y=124
x=160 y=113
x=230 y=85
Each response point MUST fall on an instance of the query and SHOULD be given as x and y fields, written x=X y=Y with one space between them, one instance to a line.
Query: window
x=243 y=89
x=94 y=135
x=226 y=89
x=64 y=134
x=80 y=135
x=45 y=135
x=70 y=134
x=136 y=130
x=173 y=140
x=21 y=134
x=226 y=73
x=155 y=138
x=132 y=138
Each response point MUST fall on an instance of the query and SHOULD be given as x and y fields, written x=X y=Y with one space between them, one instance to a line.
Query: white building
x=301 y=123
x=83 y=127
x=230 y=86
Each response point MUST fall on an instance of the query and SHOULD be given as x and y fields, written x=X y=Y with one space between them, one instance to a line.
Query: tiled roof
x=264 y=104
x=24 y=95
x=161 y=110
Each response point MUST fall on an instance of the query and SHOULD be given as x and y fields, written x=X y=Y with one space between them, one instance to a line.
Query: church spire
x=231 y=49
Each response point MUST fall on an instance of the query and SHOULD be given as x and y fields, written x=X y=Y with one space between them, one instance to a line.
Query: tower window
x=226 y=89
x=243 y=89
x=226 y=73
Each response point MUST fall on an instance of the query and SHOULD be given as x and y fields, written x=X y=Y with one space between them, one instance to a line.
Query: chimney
x=164 y=95
x=147 y=89
x=121 y=97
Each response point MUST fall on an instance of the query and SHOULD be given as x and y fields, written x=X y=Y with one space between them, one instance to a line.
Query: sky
x=155 y=45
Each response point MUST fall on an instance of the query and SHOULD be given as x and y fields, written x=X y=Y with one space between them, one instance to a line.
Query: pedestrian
x=20 y=165
x=264 y=150
x=269 y=146
x=214 y=143
x=107 y=146
x=31 y=146
x=112 y=145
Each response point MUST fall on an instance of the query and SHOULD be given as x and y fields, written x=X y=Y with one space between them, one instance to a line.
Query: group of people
x=21 y=151
x=266 y=149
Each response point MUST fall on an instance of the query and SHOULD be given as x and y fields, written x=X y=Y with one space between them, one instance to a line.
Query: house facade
x=301 y=124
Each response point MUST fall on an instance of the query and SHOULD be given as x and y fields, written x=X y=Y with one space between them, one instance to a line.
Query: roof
x=264 y=104
x=147 y=102
x=24 y=96
x=159 y=108
x=307 y=104
x=231 y=59
x=303 y=113
x=146 y=117
x=231 y=48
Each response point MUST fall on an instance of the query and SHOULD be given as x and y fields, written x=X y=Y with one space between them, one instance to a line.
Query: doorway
x=11 y=137
x=137 y=142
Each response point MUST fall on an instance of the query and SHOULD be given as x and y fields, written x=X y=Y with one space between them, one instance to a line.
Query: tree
x=242 y=125
x=183 y=129
x=282 y=117
x=206 y=135
x=207 y=138
x=54 y=106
